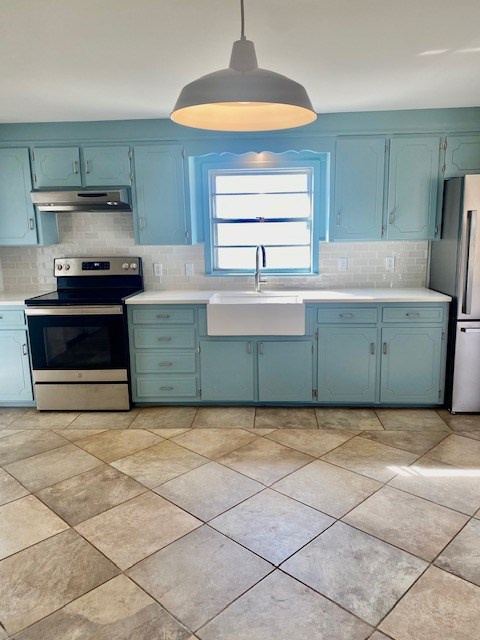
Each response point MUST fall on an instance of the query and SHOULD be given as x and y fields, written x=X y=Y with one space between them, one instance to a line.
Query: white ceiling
x=121 y=59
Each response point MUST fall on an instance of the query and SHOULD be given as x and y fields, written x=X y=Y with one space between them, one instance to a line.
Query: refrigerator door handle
x=469 y=262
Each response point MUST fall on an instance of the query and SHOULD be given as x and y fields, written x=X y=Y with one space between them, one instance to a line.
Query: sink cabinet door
x=227 y=370
x=411 y=365
x=285 y=371
x=347 y=364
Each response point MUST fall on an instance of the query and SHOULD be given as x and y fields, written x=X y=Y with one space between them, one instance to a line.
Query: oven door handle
x=75 y=311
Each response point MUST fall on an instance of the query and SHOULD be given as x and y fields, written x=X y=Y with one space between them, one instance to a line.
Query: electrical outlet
x=342 y=264
x=189 y=269
x=157 y=269
x=390 y=263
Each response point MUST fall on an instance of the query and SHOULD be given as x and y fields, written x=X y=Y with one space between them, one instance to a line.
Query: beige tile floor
x=233 y=523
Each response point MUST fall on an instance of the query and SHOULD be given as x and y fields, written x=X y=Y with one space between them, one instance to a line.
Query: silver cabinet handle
x=165 y=364
x=391 y=217
x=345 y=315
x=412 y=314
x=163 y=315
x=385 y=348
x=338 y=219
x=87 y=166
x=24 y=349
x=75 y=167
x=372 y=348
x=141 y=223
x=31 y=224
x=1 y=317
x=260 y=348
x=164 y=338
x=166 y=388
x=250 y=347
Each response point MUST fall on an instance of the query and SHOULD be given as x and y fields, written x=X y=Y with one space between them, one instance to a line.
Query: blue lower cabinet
x=227 y=370
x=15 y=379
x=151 y=388
x=347 y=364
x=285 y=372
x=411 y=365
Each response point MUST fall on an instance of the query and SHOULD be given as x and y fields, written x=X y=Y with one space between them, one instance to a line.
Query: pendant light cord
x=242 y=19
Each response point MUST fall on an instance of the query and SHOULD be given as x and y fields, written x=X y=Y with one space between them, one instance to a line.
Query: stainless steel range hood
x=82 y=200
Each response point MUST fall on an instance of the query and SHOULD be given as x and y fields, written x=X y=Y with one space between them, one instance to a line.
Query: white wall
x=98 y=234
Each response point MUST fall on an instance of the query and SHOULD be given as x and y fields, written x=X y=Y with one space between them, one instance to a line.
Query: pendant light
x=243 y=97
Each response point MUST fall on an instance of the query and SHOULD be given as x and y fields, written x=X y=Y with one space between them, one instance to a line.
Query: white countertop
x=308 y=295
x=17 y=298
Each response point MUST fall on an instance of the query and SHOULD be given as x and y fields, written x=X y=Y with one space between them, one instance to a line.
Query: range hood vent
x=82 y=200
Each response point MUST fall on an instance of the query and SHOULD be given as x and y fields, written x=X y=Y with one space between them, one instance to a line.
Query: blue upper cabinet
x=462 y=156
x=413 y=186
x=357 y=212
x=104 y=166
x=17 y=214
x=160 y=194
x=56 y=167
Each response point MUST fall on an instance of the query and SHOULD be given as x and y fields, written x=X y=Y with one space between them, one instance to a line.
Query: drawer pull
x=372 y=348
x=166 y=388
x=413 y=314
x=164 y=338
x=346 y=315
x=165 y=364
x=163 y=315
x=385 y=348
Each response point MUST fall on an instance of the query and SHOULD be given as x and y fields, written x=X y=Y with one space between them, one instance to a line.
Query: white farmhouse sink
x=270 y=313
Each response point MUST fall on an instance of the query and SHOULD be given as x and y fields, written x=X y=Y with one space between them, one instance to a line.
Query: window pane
x=288 y=258
x=288 y=205
x=261 y=182
x=255 y=233
x=235 y=259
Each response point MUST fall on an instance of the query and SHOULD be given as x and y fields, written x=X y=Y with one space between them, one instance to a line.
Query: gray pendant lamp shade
x=243 y=97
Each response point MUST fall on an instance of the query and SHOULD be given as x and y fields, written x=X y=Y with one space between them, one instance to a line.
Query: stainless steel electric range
x=78 y=334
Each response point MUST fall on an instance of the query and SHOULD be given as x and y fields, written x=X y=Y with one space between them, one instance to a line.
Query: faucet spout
x=260 y=250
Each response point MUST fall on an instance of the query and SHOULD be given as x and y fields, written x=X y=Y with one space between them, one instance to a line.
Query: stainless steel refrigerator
x=455 y=270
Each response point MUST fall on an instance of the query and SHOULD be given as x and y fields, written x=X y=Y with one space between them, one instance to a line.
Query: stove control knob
x=125 y=265
x=133 y=265
x=67 y=267
x=59 y=267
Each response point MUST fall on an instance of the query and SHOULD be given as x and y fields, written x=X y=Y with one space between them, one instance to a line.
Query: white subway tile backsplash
x=83 y=234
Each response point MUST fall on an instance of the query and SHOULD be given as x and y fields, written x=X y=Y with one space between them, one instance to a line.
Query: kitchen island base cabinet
x=15 y=379
x=284 y=371
x=227 y=370
x=347 y=364
x=411 y=371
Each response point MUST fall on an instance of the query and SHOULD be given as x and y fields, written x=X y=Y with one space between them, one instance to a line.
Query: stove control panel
x=97 y=266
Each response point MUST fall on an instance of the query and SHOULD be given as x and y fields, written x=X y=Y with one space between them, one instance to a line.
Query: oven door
x=78 y=344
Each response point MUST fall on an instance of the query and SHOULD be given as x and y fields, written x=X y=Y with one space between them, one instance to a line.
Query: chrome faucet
x=258 y=279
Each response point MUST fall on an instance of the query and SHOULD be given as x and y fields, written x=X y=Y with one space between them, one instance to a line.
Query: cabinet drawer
x=413 y=314
x=348 y=315
x=161 y=363
x=163 y=316
x=167 y=337
x=12 y=318
x=157 y=387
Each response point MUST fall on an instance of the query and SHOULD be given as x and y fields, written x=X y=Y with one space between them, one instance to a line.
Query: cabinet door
x=347 y=364
x=15 y=380
x=227 y=370
x=462 y=156
x=413 y=188
x=285 y=371
x=57 y=167
x=17 y=214
x=359 y=185
x=411 y=365
x=104 y=166
x=160 y=194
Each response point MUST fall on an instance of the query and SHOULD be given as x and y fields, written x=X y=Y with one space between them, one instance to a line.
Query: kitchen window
x=263 y=199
